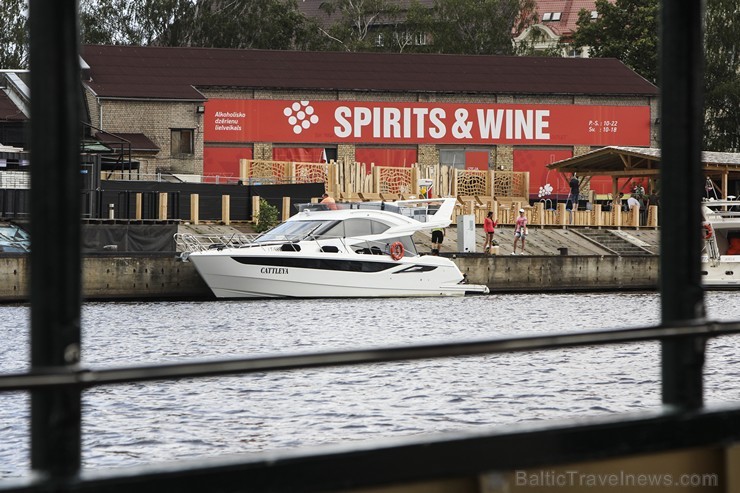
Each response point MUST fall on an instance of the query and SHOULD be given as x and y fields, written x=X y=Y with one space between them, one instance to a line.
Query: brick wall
x=155 y=119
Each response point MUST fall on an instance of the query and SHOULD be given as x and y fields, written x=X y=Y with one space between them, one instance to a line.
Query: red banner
x=232 y=120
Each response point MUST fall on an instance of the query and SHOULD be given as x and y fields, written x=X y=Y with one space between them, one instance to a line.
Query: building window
x=547 y=16
x=556 y=16
x=183 y=142
x=454 y=158
x=420 y=39
x=379 y=42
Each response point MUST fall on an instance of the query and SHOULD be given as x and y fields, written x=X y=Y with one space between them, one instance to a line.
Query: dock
x=556 y=259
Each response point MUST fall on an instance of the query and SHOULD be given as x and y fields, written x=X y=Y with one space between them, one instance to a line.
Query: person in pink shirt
x=489 y=226
x=520 y=230
x=328 y=202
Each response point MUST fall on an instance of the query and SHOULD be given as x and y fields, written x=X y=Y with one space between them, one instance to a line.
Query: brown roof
x=139 y=142
x=639 y=161
x=174 y=73
x=568 y=10
x=9 y=112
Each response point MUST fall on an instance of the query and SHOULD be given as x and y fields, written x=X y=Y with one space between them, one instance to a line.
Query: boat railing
x=418 y=209
x=188 y=242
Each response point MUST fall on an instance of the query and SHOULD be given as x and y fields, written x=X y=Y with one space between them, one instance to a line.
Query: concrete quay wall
x=147 y=277
x=136 y=277
x=562 y=273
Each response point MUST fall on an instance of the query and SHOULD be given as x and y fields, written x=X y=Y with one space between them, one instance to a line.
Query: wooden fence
x=352 y=181
x=478 y=191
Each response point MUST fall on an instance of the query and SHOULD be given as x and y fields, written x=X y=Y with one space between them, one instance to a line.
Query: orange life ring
x=708 y=232
x=397 y=250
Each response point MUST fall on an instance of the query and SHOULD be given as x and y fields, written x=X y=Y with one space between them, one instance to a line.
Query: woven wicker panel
x=510 y=184
x=395 y=180
x=472 y=182
x=275 y=170
x=310 y=173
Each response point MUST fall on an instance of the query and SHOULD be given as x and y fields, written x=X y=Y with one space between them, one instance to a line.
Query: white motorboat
x=356 y=250
x=721 y=256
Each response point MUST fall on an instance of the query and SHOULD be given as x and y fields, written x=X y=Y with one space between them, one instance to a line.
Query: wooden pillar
x=243 y=170
x=194 y=208
x=226 y=209
x=286 y=208
x=617 y=215
x=615 y=193
x=163 y=206
x=138 y=206
x=539 y=216
x=562 y=214
x=597 y=220
x=255 y=209
x=652 y=216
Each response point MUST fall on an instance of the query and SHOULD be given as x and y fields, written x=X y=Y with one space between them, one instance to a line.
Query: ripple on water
x=160 y=421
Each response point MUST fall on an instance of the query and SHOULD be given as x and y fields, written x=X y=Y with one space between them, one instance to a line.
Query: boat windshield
x=294 y=231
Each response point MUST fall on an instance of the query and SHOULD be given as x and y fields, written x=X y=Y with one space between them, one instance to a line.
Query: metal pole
x=55 y=234
x=682 y=185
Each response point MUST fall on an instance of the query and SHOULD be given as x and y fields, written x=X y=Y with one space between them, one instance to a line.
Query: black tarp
x=123 y=237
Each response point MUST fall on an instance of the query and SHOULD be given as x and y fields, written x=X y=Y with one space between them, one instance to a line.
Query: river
x=134 y=424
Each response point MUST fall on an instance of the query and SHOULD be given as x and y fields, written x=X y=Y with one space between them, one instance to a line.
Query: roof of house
x=568 y=14
x=639 y=161
x=176 y=73
x=137 y=141
x=9 y=112
x=311 y=9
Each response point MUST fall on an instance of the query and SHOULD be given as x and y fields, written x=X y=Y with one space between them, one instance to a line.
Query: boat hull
x=236 y=275
x=721 y=274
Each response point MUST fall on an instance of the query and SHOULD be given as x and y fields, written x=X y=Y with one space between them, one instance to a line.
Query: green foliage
x=262 y=24
x=360 y=25
x=475 y=27
x=626 y=30
x=449 y=26
x=258 y=24
x=267 y=217
x=722 y=77
x=14 y=34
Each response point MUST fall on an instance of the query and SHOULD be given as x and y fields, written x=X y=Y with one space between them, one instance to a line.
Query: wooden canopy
x=637 y=162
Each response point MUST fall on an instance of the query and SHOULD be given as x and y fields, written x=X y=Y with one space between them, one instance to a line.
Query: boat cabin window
x=355 y=227
x=294 y=231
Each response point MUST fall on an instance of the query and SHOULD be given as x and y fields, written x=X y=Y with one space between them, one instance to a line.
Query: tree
x=626 y=30
x=360 y=25
x=262 y=24
x=136 y=22
x=477 y=27
x=259 y=24
x=14 y=34
x=722 y=77
x=267 y=217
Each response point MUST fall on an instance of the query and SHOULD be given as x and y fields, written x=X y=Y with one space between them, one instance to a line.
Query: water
x=139 y=423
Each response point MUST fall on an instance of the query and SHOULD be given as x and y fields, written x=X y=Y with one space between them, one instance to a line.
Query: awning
x=635 y=162
x=138 y=142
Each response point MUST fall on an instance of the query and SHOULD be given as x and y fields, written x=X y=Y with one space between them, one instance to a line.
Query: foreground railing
x=466 y=462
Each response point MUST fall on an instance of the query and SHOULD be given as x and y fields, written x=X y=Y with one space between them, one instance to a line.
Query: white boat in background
x=721 y=256
x=358 y=250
